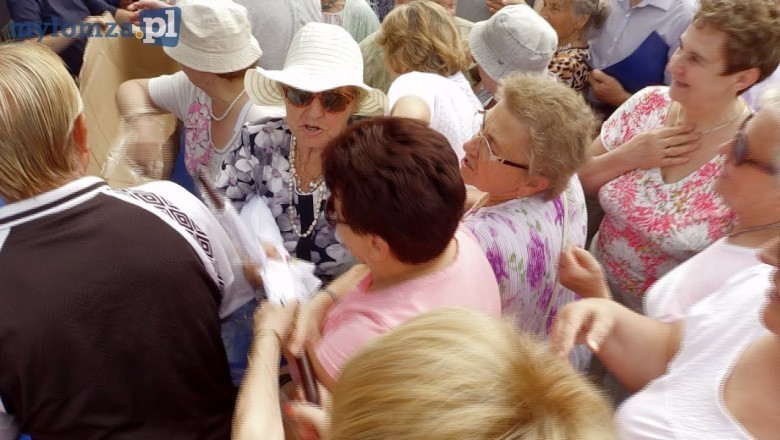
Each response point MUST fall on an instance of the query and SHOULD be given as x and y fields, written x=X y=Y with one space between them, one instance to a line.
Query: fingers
x=585 y=258
x=585 y=321
x=565 y=330
x=597 y=76
x=312 y=419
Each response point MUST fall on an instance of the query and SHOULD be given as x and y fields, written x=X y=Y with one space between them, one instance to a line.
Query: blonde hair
x=561 y=124
x=39 y=103
x=752 y=32
x=420 y=36
x=459 y=374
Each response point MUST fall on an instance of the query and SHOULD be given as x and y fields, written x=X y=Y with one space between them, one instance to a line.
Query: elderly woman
x=281 y=159
x=572 y=21
x=207 y=95
x=447 y=374
x=356 y=16
x=422 y=48
x=514 y=40
x=712 y=348
x=529 y=147
x=657 y=159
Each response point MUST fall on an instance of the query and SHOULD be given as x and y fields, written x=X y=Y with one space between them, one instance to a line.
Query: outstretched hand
x=589 y=321
x=579 y=272
x=141 y=5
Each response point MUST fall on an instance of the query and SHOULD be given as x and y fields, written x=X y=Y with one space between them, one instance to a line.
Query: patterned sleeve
x=571 y=67
x=247 y=168
x=643 y=111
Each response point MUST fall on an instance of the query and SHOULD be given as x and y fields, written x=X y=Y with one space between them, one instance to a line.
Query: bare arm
x=412 y=107
x=258 y=414
x=635 y=348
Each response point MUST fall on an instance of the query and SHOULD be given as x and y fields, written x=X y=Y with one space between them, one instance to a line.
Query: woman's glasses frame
x=480 y=115
x=739 y=151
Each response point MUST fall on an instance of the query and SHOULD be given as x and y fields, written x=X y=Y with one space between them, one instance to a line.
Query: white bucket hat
x=321 y=57
x=215 y=36
x=515 y=39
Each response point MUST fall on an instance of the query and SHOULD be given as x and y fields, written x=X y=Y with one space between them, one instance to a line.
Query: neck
x=754 y=231
x=707 y=117
x=396 y=272
x=497 y=199
x=223 y=93
x=24 y=195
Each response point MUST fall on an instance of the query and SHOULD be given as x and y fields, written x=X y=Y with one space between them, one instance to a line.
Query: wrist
x=328 y=292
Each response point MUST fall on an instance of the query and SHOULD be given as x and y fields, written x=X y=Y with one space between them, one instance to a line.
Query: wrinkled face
x=559 y=14
x=499 y=136
x=697 y=67
x=315 y=119
x=748 y=182
x=770 y=254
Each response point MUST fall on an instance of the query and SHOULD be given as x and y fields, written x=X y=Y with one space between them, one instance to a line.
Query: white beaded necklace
x=293 y=185
x=227 y=112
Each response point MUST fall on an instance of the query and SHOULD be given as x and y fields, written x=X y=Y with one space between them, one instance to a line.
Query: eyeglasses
x=330 y=214
x=479 y=118
x=332 y=102
x=739 y=152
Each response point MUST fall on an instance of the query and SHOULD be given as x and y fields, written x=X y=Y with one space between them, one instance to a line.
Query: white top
x=687 y=401
x=670 y=298
x=450 y=100
x=176 y=94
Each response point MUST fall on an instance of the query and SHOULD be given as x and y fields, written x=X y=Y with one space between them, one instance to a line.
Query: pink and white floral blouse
x=651 y=226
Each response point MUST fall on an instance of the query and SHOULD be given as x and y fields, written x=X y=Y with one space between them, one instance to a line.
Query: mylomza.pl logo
x=157 y=26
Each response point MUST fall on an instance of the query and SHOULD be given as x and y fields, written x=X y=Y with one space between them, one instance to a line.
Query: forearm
x=604 y=168
x=639 y=349
x=257 y=412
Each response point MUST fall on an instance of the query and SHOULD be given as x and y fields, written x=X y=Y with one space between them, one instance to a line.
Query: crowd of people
x=445 y=180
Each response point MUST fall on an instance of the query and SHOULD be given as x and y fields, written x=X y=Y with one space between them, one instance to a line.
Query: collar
x=51 y=199
x=664 y=5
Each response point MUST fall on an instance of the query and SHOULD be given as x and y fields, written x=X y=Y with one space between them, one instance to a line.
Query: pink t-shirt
x=361 y=315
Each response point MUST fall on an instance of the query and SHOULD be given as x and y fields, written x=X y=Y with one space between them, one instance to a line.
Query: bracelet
x=331 y=294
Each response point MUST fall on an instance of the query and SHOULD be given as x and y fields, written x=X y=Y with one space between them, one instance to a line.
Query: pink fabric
x=197 y=145
x=361 y=316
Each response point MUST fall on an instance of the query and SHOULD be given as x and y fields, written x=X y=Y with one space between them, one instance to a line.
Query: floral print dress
x=259 y=167
x=651 y=226
x=523 y=239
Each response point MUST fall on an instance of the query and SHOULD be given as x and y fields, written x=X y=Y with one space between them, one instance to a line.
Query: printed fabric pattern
x=650 y=226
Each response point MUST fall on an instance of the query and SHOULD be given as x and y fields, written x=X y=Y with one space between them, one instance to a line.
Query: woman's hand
x=589 y=321
x=311 y=422
x=308 y=324
x=272 y=317
x=661 y=147
x=140 y=5
x=579 y=272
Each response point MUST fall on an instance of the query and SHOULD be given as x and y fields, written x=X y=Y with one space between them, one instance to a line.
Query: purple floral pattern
x=259 y=166
x=522 y=240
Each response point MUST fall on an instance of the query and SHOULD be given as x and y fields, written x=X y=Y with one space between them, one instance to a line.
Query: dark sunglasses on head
x=739 y=152
x=332 y=102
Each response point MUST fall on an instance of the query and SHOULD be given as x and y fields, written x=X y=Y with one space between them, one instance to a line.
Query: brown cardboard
x=108 y=62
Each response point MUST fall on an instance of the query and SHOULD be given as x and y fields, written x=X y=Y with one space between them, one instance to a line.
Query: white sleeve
x=175 y=93
x=413 y=84
x=227 y=266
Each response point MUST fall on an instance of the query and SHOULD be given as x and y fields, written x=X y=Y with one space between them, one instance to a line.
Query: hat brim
x=223 y=62
x=263 y=87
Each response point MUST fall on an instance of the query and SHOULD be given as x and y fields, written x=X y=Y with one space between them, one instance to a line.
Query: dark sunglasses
x=332 y=102
x=739 y=152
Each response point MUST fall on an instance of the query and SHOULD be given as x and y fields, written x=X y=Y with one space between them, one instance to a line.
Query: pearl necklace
x=754 y=228
x=227 y=112
x=293 y=186
x=717 y=127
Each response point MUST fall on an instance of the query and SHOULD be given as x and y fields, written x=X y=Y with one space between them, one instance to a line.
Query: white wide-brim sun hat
x=214 y=36
x=321 y=57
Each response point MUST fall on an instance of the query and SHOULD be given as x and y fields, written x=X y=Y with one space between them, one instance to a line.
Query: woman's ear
x=79 y=137
x=745 y=79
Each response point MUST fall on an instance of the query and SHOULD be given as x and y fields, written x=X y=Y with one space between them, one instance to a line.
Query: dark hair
x=398 y=179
